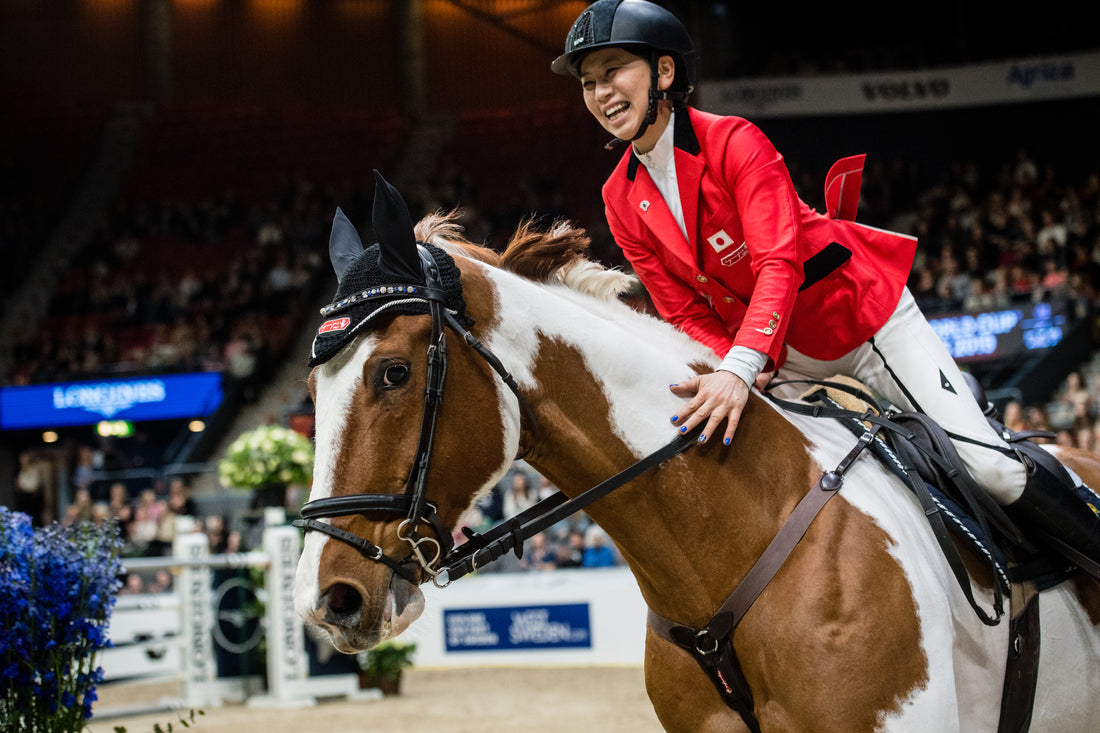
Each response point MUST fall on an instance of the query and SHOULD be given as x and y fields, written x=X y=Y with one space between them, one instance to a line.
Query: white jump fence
x=145 y=640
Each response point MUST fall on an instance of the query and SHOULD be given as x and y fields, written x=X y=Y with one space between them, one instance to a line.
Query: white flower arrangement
x=267 y=456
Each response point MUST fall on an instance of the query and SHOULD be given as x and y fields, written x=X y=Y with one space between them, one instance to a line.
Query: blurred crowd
x=175 y=285
x=574 y=542
x=1023 y=234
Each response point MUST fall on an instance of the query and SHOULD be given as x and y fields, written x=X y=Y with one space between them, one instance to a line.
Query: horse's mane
x=444 y=230
x=558 y=255
x=554 y=255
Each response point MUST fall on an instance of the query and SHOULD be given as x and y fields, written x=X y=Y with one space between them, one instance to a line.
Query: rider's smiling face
x=616 y=90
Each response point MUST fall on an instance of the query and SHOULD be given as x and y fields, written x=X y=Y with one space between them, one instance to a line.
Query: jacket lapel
x=650 y=206
x=690 y=167
x=646 y=199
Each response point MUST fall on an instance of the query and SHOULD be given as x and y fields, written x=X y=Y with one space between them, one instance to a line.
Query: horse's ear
x=344 y=244
x=393 y=225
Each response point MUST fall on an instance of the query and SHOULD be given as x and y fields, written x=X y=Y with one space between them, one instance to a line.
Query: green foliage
x=265 y=456
x=387 y=659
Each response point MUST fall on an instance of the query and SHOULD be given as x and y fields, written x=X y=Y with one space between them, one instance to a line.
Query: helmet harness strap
x=656 y=94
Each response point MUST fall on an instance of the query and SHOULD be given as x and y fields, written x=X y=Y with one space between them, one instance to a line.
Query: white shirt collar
x=661 y=155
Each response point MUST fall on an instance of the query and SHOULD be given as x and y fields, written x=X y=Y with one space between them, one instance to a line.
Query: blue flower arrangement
x=57 y=587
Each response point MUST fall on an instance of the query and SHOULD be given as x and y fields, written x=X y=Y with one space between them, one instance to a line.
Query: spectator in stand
x=491 y=505
x=538 y=555
x=122 y=511
x=519 y=496
x=1014 y=417
x=1074 y=391
x=101 y=513
x=546 y=488
x=30 y=487
x=134 y=585
x=165 y=534
x=1083 y=435
x=81 y=510
x=146 y=518
x=597 y=552
x=1037 y=420
x=571 y=554
x=84 y=473
x=179 y=498
x=217 y=535
x=161 y=582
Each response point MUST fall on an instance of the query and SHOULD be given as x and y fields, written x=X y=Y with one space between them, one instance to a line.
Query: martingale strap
x=711 y=646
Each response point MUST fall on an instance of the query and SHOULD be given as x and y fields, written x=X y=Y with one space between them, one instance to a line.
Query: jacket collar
x=683 y=138
x=643 y=196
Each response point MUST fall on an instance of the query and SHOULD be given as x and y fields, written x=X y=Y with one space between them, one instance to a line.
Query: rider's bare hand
x=715 y=397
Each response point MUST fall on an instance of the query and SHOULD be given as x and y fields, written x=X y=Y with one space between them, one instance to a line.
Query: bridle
x=437 y=556
x=427 y=551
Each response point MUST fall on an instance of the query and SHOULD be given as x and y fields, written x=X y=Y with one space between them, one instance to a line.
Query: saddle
x=922 y=455
x=974 y=518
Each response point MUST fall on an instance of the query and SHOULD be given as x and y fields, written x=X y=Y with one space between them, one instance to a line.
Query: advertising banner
x=1027 y=80
x=557 y=626
x=156 y=397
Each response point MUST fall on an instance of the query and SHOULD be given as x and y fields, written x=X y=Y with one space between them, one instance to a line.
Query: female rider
x=705 y=211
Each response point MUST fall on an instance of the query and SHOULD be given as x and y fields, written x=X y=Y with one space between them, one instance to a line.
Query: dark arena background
x=169 y=171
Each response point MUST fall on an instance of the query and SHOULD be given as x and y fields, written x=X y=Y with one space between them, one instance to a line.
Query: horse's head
x=379 y=517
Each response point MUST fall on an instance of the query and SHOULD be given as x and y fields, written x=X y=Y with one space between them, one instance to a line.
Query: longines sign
x=159 y=397
x=1031 y=80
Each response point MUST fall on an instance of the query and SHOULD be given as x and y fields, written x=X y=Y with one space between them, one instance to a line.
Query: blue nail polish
x=684 y=429
x=702 y=439
x=674 y=418
x=726 y=441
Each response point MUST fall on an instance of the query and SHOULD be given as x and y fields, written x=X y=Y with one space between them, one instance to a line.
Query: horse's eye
x=394 y=375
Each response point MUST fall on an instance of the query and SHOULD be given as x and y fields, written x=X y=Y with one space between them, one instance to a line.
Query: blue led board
x=999 y=334
x=157 y=397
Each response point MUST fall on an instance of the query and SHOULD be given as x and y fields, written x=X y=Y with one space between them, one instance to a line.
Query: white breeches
x=908 y=365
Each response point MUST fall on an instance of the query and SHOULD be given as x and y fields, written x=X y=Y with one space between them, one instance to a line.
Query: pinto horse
x=863 y=628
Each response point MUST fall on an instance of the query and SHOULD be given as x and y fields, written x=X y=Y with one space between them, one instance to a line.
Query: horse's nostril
x=343 y=600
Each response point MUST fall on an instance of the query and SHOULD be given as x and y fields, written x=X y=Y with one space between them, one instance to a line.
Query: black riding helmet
x=640 y=27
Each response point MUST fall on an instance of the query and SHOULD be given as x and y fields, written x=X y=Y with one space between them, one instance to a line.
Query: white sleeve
x=745 y=363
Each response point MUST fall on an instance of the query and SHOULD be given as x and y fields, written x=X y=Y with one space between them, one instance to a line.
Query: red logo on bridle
x=336 y=324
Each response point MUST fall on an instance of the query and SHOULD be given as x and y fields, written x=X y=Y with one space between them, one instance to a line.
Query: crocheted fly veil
x=396 y=276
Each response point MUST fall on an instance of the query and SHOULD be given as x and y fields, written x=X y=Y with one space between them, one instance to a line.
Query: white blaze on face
x=337 y=381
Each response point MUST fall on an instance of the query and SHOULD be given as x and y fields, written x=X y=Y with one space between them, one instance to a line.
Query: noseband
x=426 y=551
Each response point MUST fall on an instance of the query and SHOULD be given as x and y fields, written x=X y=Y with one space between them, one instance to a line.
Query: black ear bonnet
x=397 y=276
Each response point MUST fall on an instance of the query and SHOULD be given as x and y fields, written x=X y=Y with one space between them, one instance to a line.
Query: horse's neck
x=708 y=513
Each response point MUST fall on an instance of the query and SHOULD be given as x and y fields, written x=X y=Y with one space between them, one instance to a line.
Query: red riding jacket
x=761 y=268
